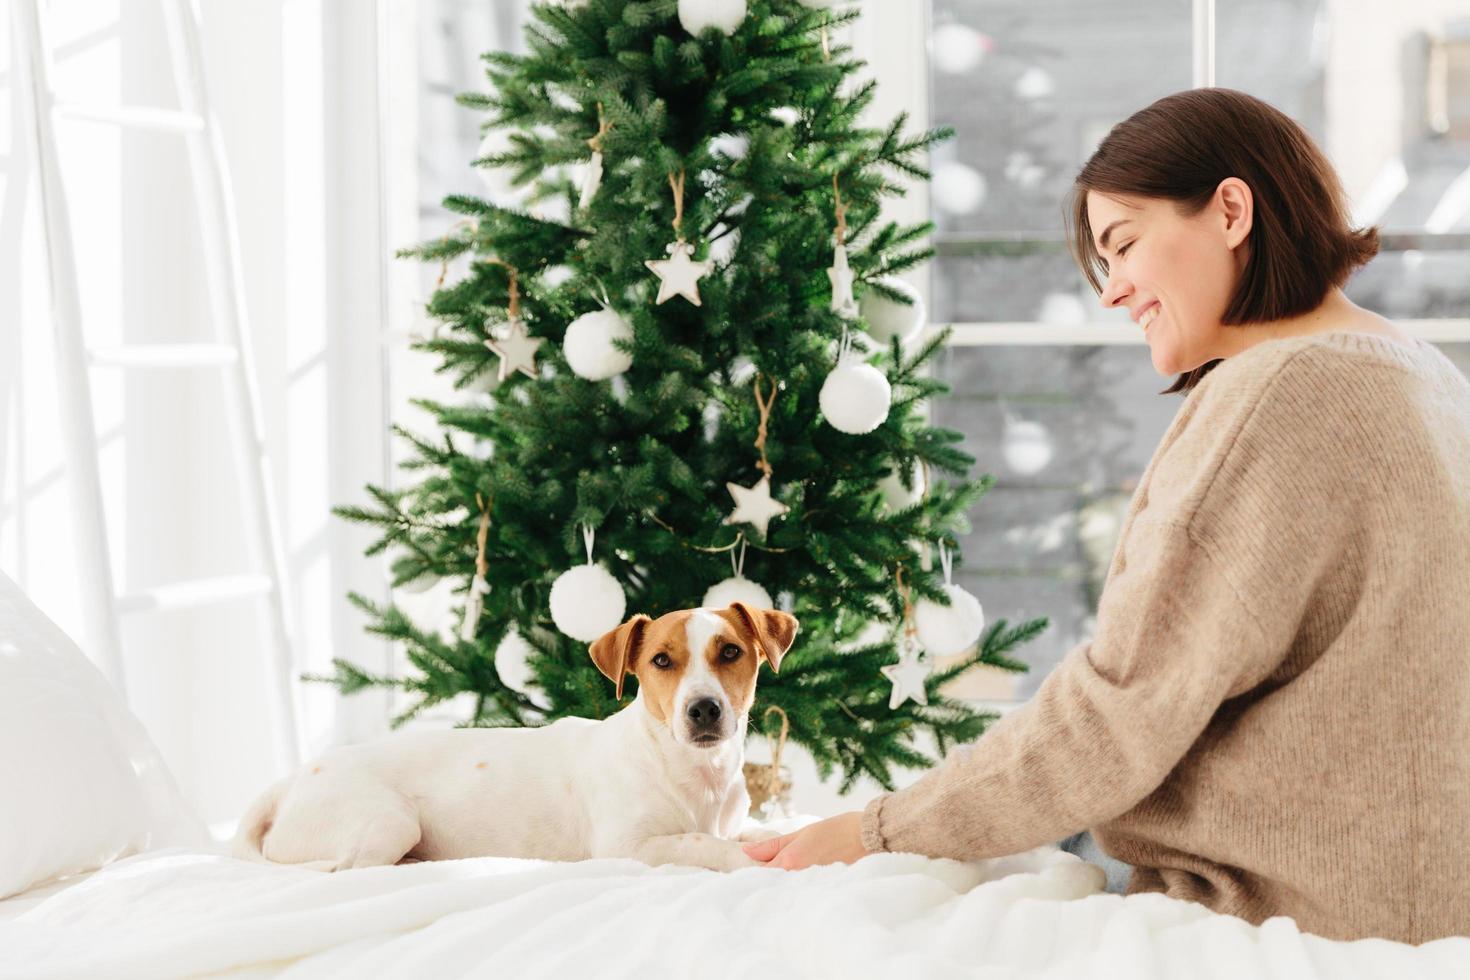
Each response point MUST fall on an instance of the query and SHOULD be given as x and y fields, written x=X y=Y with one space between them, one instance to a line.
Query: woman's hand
x=836 y=839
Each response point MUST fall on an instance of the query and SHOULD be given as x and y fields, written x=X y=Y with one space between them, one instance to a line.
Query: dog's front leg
x=695 y=850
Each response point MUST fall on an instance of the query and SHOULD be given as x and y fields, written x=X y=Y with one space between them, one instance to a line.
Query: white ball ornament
x=887 y=318
x=737 y=588
x=957 y=49
x=895 y=495
x=589 y=345
x=957 y=188
x=1027 y=446
x=586 y=602
x=855 y=398
x=512 y=663
x=696 y=15
x=1035 y=84
x=947 y=630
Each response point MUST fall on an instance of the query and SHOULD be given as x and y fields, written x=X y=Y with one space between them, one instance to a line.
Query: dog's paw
x=757 y=834
x=739 y=860
x=328 y=865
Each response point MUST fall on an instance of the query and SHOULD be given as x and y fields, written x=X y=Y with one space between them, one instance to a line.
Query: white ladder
x=230 y=350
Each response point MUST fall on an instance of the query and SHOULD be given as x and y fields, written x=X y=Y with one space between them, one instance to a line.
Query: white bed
x=180 y=906
x=12 y=907
x=189 y=911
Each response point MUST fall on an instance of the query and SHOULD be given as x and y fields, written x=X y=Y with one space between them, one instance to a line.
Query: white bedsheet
x=11 y=908
x=176 y=913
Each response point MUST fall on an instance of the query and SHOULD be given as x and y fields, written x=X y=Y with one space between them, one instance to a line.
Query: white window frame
x=893 y=38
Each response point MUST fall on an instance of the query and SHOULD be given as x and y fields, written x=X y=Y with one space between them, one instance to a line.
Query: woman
x=1273 y=717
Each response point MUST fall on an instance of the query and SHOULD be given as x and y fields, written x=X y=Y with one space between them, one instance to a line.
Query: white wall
x=294 y=90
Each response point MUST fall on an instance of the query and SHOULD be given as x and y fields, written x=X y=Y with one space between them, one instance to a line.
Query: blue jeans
x=1086 y=848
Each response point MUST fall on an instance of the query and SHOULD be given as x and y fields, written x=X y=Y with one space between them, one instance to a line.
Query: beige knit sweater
x=1273 y=717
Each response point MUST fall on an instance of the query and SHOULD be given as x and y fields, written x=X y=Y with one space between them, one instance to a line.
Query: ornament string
x=766 y=780
x=945 y=561
x=678 y=186
x=587 y=537
x=481 y=565
x=602 y=127
x=841 y=212
x=738 y=568
x=606 y=302
x=444 y=263
x=765 y=408
x=475 y=603
x=910 y=631
x=513 y=308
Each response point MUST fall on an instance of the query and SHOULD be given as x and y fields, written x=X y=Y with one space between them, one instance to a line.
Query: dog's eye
x=731 y=652
x=662 y=661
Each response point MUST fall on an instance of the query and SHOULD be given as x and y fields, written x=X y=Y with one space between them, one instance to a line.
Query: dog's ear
x=774 y=631
x=617 y=650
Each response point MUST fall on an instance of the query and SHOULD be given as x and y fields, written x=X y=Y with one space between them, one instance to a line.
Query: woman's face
x=1175 y=274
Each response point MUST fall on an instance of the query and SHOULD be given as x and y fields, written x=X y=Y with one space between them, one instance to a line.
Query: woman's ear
x=1236 y=206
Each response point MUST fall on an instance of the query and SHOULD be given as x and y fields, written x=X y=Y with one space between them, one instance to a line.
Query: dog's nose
x=705 y=713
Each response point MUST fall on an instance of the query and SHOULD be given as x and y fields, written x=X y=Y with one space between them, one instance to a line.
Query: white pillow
x=81 y=783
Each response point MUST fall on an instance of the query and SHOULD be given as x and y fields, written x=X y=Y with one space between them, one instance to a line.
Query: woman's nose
x=1115 y=290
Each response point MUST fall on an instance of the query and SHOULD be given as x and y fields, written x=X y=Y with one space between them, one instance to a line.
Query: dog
x=660 y=781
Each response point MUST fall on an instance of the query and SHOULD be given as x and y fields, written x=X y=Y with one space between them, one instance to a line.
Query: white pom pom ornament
x=587 y=601
x=696 y=15
x=895 y=495
x=512 y=663
x=856 y=396
x=589 y=345
x=947 y=630
x=887 y=318
x=737 y=588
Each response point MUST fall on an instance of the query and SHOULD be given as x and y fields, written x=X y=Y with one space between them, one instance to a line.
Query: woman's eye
x=1123 y=249
x=731 y=652
x=662 y=660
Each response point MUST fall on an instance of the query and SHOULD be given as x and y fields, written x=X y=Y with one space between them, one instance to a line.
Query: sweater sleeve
x=1244 y=497
x=1106 y=726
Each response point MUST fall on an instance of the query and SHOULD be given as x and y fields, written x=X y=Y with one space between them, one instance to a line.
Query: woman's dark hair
x=1181 y=148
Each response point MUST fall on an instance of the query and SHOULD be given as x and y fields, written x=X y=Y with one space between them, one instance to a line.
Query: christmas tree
x=684 y=384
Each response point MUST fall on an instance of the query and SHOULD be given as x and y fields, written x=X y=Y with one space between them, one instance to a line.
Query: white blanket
x=177 y=913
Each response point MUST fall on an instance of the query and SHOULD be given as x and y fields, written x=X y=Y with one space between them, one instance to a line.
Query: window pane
x=1066 y=431
x=1415 y=285
x=1383 y=88
x=1031 y=86
x=1385 y=91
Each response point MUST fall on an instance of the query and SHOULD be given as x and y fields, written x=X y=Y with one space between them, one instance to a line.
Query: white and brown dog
x=660 y=781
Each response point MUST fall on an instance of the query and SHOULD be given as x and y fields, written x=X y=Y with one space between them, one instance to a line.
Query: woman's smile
x=1149 y=314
